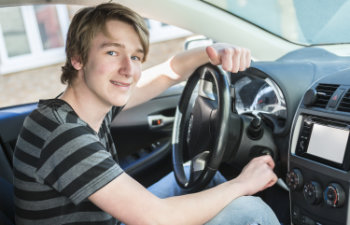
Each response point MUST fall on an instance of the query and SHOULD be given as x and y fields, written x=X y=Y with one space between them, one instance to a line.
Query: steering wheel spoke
x=206 y=90
x=198 y=164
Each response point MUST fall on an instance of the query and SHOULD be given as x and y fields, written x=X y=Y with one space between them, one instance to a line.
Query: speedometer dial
x=257 y=95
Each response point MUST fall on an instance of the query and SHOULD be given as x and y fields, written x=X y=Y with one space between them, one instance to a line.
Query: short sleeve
x=75 y=163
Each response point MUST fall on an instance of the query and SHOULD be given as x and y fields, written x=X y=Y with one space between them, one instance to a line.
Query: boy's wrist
x=240 y=188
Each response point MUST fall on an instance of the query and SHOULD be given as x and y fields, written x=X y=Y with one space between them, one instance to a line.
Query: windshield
x=311 y=22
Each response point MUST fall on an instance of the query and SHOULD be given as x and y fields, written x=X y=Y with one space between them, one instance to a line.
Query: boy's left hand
x=232 y=58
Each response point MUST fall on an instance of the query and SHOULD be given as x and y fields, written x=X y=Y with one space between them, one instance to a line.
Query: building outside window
x=32 y=40
x=34 y=36
x=31 y=36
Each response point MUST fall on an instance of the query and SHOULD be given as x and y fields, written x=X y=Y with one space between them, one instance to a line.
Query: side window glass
x=49 y=26
x=32 y=41
x=32 y=36
x=14 y=33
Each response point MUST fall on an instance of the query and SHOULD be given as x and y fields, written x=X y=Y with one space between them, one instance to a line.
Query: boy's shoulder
x=56 y=112
x=52 y=117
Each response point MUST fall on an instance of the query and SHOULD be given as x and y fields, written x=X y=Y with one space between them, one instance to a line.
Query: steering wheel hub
x=198 y=136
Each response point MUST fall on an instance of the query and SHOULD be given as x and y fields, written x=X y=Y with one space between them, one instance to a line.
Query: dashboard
x=319 y=160
x=305 y=98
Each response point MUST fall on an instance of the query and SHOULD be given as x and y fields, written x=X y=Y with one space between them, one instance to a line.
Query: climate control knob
x=312 y=192
x=294 y=179
x=334 y=195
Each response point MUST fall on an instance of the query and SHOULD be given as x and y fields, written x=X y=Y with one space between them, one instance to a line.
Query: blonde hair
x=87 y=23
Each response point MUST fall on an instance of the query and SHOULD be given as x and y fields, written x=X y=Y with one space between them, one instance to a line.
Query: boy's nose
x=126 y=67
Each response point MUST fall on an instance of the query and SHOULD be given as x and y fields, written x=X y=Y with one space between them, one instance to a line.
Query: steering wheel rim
x=205 y=163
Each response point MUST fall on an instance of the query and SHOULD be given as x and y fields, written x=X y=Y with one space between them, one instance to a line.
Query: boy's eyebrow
x=118 y=45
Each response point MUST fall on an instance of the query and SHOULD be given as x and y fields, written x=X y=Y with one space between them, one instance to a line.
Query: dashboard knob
x=334 y=195
x=310 y=97
x=294 y=179
x=312 y=192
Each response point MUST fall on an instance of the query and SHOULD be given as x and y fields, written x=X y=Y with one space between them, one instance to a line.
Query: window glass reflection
x=13 y=30
x=49 y=26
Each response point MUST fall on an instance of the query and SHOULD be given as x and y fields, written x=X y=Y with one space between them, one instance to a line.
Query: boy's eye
x=136 y=58
x=112 y=53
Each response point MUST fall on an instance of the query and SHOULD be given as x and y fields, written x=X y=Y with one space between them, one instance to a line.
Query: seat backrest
x=11 y=121
x=7 y=208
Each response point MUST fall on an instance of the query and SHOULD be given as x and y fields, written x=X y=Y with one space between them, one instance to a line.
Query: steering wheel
x=200 y=131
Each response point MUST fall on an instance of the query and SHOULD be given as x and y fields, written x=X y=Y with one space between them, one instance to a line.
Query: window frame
x=38 y=56
x=162 y=32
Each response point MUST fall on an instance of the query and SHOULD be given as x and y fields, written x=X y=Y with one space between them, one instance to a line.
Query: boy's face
x=114 y=64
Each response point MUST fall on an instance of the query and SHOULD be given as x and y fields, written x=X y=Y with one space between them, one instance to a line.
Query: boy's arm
x=157 y=79
x=131 y=203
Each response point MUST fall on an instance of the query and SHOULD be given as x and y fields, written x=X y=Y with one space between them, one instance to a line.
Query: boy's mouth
x=120 y=83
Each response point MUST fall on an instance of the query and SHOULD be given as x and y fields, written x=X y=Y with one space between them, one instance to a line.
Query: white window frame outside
x=38 y=56
x=160 y=33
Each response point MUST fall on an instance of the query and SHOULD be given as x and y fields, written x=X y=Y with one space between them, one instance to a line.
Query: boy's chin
x=120 y=103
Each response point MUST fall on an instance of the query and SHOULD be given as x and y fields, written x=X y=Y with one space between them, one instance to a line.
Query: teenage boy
x=65 y=163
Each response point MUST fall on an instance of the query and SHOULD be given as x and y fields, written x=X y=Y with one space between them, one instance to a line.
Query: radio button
x=335 y=97
x=302 y=146
x=307 y=221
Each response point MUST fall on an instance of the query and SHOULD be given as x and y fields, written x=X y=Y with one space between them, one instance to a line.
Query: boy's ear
x=76 y=62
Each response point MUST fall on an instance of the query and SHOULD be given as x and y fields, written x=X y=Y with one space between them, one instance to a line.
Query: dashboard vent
x=344 y=105
x=324 y=93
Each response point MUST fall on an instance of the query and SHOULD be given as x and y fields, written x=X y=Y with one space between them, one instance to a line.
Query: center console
x=319 y=155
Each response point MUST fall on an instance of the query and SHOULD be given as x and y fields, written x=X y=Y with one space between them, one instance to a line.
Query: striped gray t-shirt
x=59 y=161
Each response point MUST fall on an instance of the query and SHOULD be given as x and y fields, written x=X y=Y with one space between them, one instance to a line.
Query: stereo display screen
x=328 y=143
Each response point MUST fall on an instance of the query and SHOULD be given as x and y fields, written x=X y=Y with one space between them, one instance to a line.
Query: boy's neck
x=86 y=105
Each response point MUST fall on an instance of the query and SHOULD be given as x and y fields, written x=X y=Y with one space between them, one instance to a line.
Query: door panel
x=143 y=134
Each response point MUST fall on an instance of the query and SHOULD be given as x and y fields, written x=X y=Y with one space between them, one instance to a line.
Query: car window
x=312 y=22
x=32 y=50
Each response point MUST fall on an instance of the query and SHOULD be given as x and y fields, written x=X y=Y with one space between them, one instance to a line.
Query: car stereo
x=319 y=169
x=319 y=154
x=325 y=141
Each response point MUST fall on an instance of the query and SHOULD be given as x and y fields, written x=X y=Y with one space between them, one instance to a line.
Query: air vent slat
x=324 y=93
x=346 y=101
x=344 y=105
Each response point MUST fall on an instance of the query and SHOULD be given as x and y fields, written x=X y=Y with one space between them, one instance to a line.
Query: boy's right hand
x=257 y=175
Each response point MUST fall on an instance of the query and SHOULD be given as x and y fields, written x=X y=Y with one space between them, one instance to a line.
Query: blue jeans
x=241 y=211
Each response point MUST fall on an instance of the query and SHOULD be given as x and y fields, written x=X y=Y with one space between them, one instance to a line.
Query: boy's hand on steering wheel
x=232 y=58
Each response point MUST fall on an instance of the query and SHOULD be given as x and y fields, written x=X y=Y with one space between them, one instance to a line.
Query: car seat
x=7 y=208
